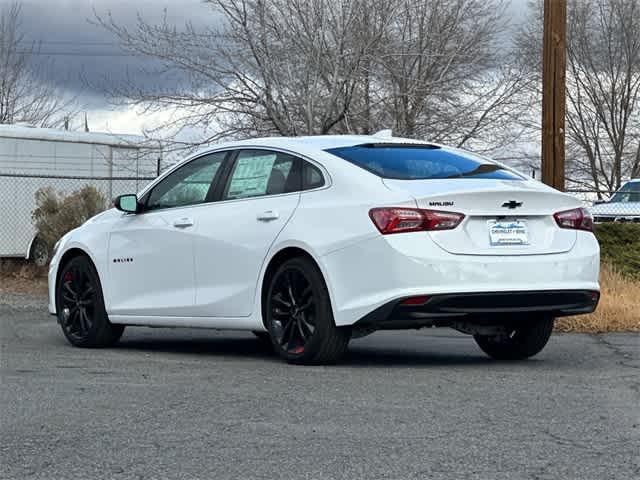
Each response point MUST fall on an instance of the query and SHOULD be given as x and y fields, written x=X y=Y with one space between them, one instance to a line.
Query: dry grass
x=19 y=276
x=618 y=310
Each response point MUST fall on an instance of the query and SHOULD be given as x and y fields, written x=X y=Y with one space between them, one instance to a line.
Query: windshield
x=629 y=192
x=419 y=162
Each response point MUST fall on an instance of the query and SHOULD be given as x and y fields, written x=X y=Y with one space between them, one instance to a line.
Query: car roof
x=313 y=145
x=302 y=145
x=317 y=142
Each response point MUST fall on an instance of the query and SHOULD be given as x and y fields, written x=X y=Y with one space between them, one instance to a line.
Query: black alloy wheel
x=80 y=306
x=299 y=315
x=78 y=303
x=293 y=311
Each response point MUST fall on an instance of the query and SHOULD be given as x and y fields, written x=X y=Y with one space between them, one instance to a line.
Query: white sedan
x=311 y=241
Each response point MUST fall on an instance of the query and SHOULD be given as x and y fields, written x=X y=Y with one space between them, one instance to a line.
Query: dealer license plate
x=508 y=232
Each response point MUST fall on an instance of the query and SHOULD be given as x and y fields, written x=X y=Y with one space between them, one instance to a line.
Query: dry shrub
x=618 y=310
x=620 y=247
x=57 y=214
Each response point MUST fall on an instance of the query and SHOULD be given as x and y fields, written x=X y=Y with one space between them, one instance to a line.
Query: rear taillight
x=576 y=219
x=413 y=301
x=399 y=220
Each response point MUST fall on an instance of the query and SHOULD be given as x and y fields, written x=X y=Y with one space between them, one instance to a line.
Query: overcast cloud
x=76 y=48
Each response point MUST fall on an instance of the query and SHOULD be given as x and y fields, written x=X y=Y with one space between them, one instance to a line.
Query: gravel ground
x=197 y=404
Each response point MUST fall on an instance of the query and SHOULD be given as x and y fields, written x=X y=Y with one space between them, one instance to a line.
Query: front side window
x=263 y=172
x=420 y=162
x=629 y=192
x=189 y=185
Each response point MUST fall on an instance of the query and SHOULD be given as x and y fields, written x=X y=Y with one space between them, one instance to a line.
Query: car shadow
x=373 y=358
x=432 y=353
x=219 y=346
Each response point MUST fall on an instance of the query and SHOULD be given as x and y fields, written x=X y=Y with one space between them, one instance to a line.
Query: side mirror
x=127 y=203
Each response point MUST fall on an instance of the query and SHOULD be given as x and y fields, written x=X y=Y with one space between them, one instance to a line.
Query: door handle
x=268 y=215
x=183 y=223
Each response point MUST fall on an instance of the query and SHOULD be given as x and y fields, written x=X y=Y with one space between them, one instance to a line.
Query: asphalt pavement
x=199 y=404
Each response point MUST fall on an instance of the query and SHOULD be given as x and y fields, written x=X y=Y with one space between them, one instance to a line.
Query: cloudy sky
x=76 y=49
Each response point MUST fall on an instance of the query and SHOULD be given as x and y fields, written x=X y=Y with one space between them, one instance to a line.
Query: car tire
x=522 y=342
x=299 y=317
x=264 y=339
x=39 y=253
x=80 y=306
x=262 y=336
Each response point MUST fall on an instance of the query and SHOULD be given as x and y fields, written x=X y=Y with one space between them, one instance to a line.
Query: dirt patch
x=20 y=276
x=618 y=310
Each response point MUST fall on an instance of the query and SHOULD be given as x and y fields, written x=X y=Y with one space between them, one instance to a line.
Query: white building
x=32 y=158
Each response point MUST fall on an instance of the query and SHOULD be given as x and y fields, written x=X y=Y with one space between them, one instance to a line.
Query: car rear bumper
x=442 y=309
x=371 y=274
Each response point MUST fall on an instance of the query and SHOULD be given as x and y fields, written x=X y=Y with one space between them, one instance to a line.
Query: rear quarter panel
x=336 y=218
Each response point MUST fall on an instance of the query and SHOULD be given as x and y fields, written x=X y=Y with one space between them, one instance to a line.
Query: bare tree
x=286 y=67
x=635 y=170
x=434 y=48
x=23 y=96
x=603 y=89
x=294 y=67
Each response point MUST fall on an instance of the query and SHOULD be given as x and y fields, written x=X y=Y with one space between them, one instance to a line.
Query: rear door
x=151 y=254
x=234 y=234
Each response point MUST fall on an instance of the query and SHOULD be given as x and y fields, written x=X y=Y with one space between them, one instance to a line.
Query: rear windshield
x=419 y=162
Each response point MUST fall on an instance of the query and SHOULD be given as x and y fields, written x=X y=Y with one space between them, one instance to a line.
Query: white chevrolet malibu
x=311 y=241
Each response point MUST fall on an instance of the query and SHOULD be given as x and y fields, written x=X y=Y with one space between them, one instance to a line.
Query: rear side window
x=419 y=162
x=311 y=176
x=257 y=173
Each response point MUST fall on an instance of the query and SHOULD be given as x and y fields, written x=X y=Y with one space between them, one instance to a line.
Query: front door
x=151 y=254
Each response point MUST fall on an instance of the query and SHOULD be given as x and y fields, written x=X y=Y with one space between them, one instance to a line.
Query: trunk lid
x=487 y=202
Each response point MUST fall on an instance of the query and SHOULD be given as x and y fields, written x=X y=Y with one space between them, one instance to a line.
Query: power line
x=75 y=54
x=66 y=42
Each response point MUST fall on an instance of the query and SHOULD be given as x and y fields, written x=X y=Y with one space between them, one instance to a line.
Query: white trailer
x=32 y=158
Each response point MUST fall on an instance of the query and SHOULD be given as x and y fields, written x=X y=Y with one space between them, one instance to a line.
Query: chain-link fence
x=606 y=206
x=17 y=202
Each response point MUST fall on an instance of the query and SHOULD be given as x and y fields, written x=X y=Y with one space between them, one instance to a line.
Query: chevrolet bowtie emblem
x=512 y=204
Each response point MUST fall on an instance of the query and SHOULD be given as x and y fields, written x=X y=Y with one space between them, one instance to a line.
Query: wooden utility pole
x=554 y=59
